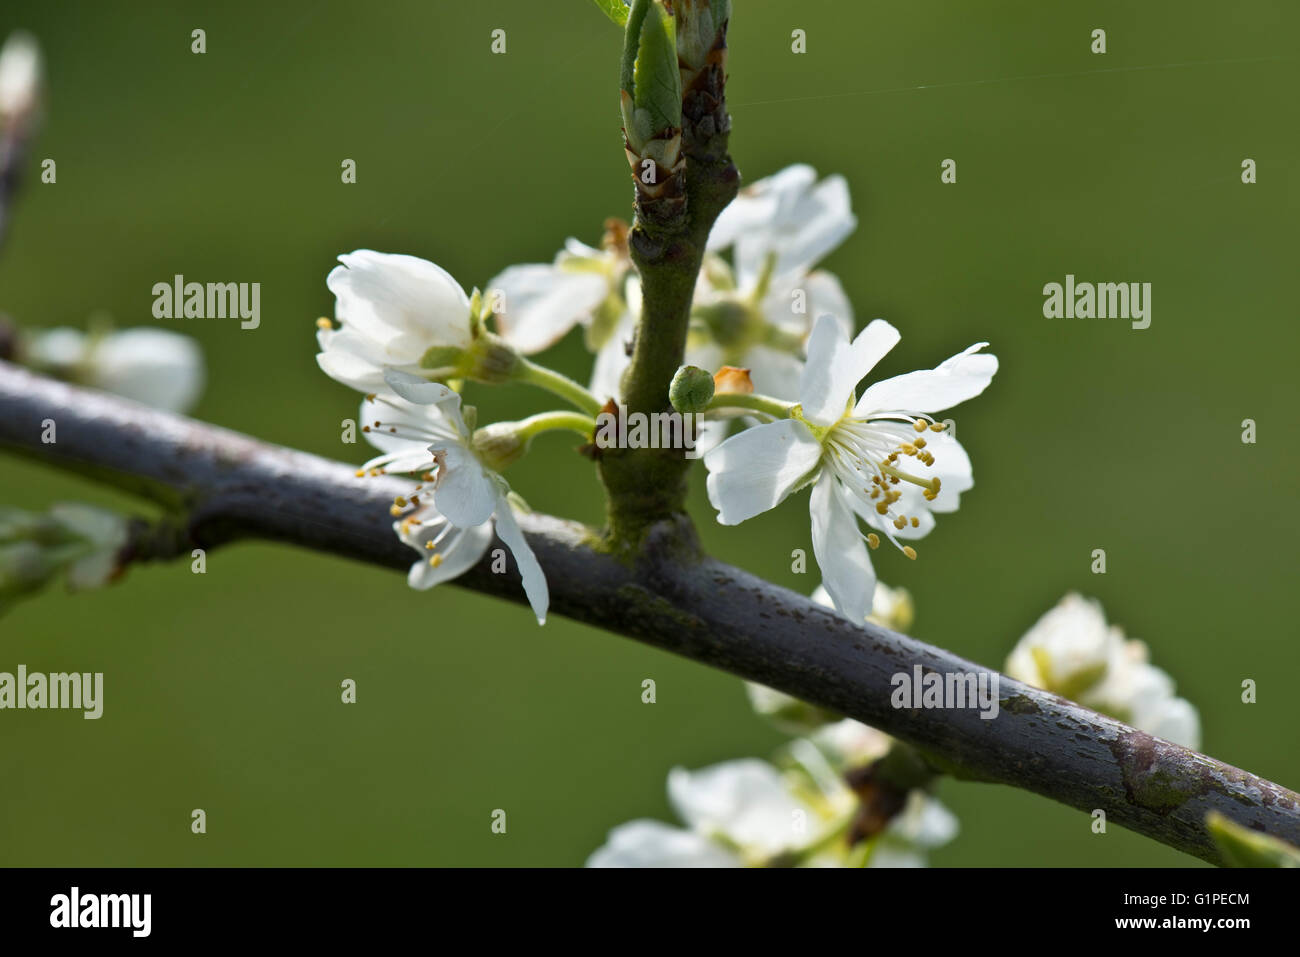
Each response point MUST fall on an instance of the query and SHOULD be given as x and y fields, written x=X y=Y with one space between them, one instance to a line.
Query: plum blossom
x=852 y=454
x=155 y=366
x=535 y=304
x=750 y=813
x=1073 y=652
x=421 y=429
x=396 y=312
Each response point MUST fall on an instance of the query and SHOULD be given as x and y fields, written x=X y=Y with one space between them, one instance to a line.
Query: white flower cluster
x=752 y=813
x=1073 y=652
x=402 y=325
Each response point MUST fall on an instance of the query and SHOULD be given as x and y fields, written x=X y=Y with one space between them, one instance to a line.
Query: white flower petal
x=803 y=232
x=465 y=492
x=154 y=366
x=542 y=302
x=835 y=366
x=612 y=360
x=416 y=426
x=403 y=303
x=759 y=203
x=1176 y=720
x=653 y=844
x=924 y=822
x=421 y=391
x=459 y=548
x=1067 y=648
x=745 y=800
x=841 y=553
x=534 y=581
x=953 y=381
x=773 y=372
x=756 y=469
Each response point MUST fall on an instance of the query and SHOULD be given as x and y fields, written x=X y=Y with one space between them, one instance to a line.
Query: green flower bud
x=492 y=360
x=698 y=23
x=499 y=444
x=691 y=389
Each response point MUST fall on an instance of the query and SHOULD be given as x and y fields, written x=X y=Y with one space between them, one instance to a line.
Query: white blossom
x=1073 y=652
x=154 y=366
x=852 y=454
x=421 y=429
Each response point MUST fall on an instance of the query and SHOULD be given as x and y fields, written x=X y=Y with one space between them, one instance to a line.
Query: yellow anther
x=919 y=443
x=935 y=484
x=873 y=539
x=371 y=396
x=916 y=522
x=400 y=500
x=324 y=323
x=910 y=552
x=361 y=473
x=882 y=508
x=900 y=522
x=938 y=427
x=394 y=511
x=436 y=560
x=429 y=545
x=918 y=425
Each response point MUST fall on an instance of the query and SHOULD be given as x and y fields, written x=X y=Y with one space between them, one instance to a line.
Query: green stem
x=584 y=425
x=557 y=384
x=750 y=400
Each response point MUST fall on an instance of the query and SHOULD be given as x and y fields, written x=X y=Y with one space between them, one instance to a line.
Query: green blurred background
x=222 y=691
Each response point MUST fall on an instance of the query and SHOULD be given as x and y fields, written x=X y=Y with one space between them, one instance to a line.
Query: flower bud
x=698 y=25
x=691 y=389
x=499 y=444
x=20 y=77
x=83 y=542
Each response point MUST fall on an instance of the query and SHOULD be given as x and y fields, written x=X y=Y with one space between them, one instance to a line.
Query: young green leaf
x=616 y=10
x=1242 y=847
x=651 y=81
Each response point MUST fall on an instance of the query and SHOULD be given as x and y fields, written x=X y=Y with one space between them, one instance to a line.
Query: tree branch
x=231 y=486
x=667 y=244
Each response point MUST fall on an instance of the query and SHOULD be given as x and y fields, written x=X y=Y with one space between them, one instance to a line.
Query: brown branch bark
x=230 y=486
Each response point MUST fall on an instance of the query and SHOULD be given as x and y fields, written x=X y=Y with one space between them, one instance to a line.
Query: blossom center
x=865 y=453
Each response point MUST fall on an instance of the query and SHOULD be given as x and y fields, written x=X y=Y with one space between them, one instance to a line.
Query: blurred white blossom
x=82 y=542
x=535 y=304
x=1073 y=652
x=20 y=77
x=750 y=813
x=155 y=366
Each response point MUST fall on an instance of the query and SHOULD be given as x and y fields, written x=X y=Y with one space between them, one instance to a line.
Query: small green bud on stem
x=691 y=389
